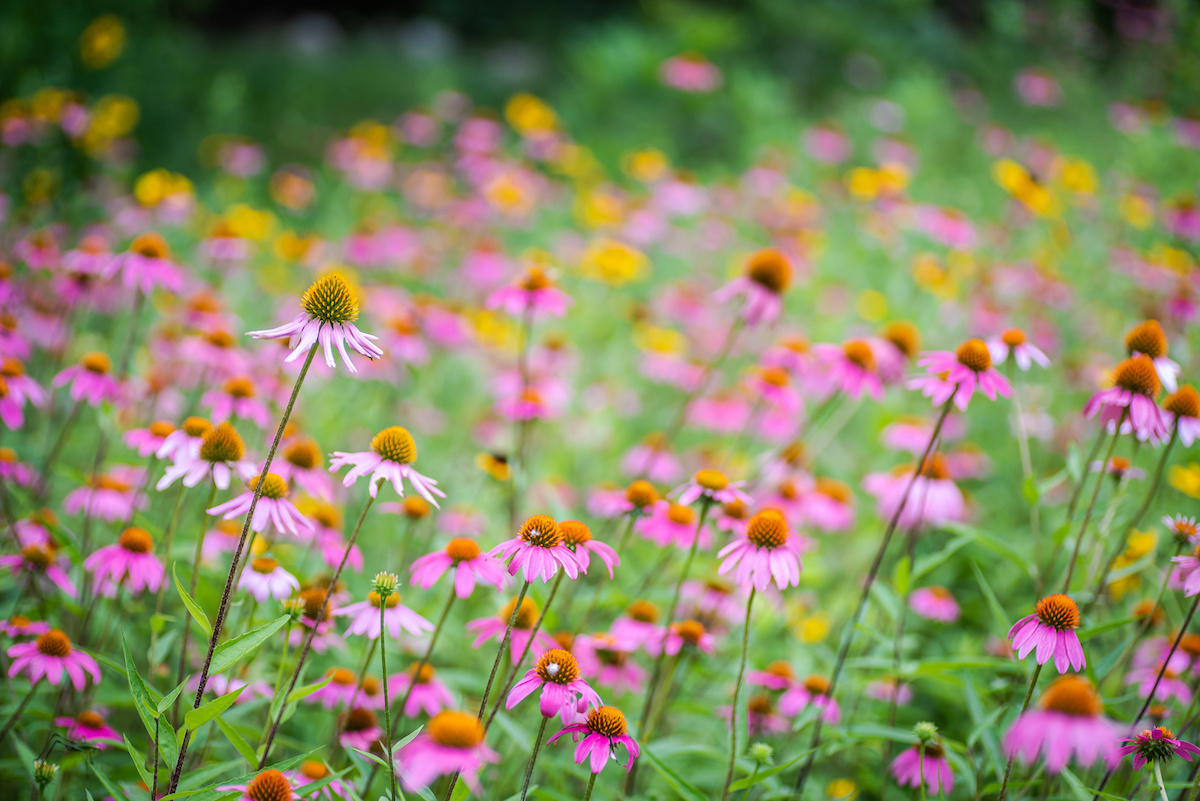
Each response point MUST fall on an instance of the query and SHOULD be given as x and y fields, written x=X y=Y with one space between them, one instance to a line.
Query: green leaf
x=368 y=755
x=313 y=787
x=461 y=792
x=681 y=786
x=763 y=775
x=307 y=689
x=902 y=576
x=26 y=755
x=238 y=648
x=1092 y=631
x=195 y=718
x=239 y=742
x=1003 y=621
x=169 y=698
x=113 y=789
x=139 y=761
x=1030 y=491
x=408 y=738
x=147 y=709
x=993 y=543
x=212 y=794
x=192 y=607
x=928 y=563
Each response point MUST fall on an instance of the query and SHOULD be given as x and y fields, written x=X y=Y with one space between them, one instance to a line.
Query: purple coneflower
x=146 y=265
x=273 y=507
x=451 y=742
x=1013 y=342
x=578 y=537
x=1153 y=745
x=599 y=736
x=266 y=578
x=49 y=656
x=486 y=628
x=534 y=293
x=764 y=554
x=1130 y=401
x=1147 y=338
x=556 y=674
x=712 y=486
x=220 y=456
x=468 y=562
x=767 y=275
x=1067 y=723
x=90 y=380
x=396 y=617
x=129 y=562
x=934 y=603
x=813 y=690
x=391 y=457
x=1050 y=630
x=538 y=551
x=428 y=695
x=89 y=727
x=1182 y=409
x=237 y=398
x=959 y=373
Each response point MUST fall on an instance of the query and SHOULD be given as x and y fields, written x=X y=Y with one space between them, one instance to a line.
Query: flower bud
x=385 y=584
x=761 y=753
x=926 y=732
x=44 y=772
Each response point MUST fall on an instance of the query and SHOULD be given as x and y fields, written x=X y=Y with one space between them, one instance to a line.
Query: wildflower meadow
x=450 y=455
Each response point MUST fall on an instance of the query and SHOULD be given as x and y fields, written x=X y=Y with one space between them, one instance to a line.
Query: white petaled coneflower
x=330 y=309
x=391 y=458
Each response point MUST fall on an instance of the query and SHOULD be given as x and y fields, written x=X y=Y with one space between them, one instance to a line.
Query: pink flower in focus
x=392 y=454
x=1051 y=630
x=1130 y=401
x=538 y=551
x=578 y=537
x=765 y=553
x=468 y=562
x=598 y=738
x=49 y=656
x=1153 y=745
x=959 y=373
x=265 y=578
x=273 y=507
x=556 y=675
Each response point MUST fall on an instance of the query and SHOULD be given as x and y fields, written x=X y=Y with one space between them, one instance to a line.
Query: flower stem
x=387 y=712
x=223 y=609
x=1026 y=464
x=1037 y=671
x=1135 y=521
x=425 y=659
x=737 y=688
x=312 y=632
x=16 y=715
x=1072 y=505
x=158 y=600
x=652 y=688
x=537 y=626
x=726 y=347
x=55 y=450
x=1087 y=516
x=1195 y=792
x=195 y=582
x=852 y=625
x=1147 y=621
x=591 y=783
x=512 y=620
x=537 y=746
x=1158 y=778
x=921 y=768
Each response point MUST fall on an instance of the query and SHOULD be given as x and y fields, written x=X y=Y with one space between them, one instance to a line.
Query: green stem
x=1008 y=768
x=537 y=626
x=195 y=582
x=1087 y=517
x=921 y=768
x=16 y=715
x=537 y=746
x=387 y=713
x=1158 y=778
x=737 y=688
x=429 y=650
x=1195 y=786
x=591 y=783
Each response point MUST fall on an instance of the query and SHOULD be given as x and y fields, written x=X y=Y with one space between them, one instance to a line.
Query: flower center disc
x=1185 y=402
x=1071 y=695
x=96 y=362
x=1147 y=337
x=1058 y=611
x=273 y=486
x=395 y=444
x=713 y=480
x=974 y=354
x=303 y=454
x=330 y=300
x=541 y=531
x=770 y=269
x=607 y=720
x=1137 y=374
x=136 y=540
x=641 y=494
x=859 y=353
x=270 y=785
x=768 y=529
x=575 y=532
x=54 y=643
x=557 y=666
x=462 y=549
x=455 y=730
x=222 y=444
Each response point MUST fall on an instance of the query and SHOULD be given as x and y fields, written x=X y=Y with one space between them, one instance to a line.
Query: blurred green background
x=290 y=74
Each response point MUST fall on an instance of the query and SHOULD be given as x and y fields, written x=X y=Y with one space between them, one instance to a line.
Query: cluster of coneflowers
x=190 y=586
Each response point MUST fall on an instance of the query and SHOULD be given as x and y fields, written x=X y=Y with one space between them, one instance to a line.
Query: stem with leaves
x=737 y=688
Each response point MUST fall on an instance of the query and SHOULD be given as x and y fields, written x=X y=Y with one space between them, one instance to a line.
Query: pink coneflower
x=343 y=683
x=933 y=500
x=391 y=457
x=222 y=684
x=40 y=562
x=302 y=463
x=13 y=470
x=767 y=275
x=486 y=628
x=610 y=662
x=761 y=717
x=468 y=562
x=273 y=507
x=1147 y=338
x=110 y=496
x=184 y=443
x=21 y=626
x=556 y=675
x=891 y=690
x=16 y=389
x=129 y=562
x=361 y=729
x=49 y=656
x=329 y=311
x=578 y=537
x=1162 y=679
x=89 y=726
x=270 y=785
x=653 y=459
x=813 y=690
x=1183 y=529
x=429 y=694
x=714 y=601
x=1188 y=572
x=1051 y=630
x=599 y=736
x=538 y=551
x=672 y=524
x=732 y=516
x=638 y=626
x=266 y=578
x=713 y=486
x=1181 y=409
x=1153 y=745
x=1130 y=401
x=534 y=293
x=395 y=616
x=721 y=413
x=691 y=633
x=221 y=456
x=1013 y=342
x=690 y=72
x=237 y=398
x=828 y=507
x=850 y=368
x=451 y=742
x=909 y=770
x=1067 y=723
x=960 y=373
x=311 y=771
x=146 y=265
x=776 y=676
x=91 y=380
x=934 y=603
x=766 y=553
x=149 y=439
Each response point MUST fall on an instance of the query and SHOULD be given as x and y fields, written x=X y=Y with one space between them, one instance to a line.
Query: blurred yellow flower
x=1078 y=176
x=1122 y=586
x=39 y=185
x=509 y=193
x=495 y=465
x=576 y=161
x=1185 y=479
x=813 y=628
x=153 y=187
x=600 y=208
x=1138 y=211
x=112 y=116
x=1139 y=544
x=929 y=274
x=249 y=223
x=659 y=340
x=871 y=305
x=493 y=329
x=614 y=262
x=290 y=246
x=1011 y=176
x=646 y=165
x=1173 y=259
x=528 y=114
x=102 y=42
x=841 y=790
x=372 y=132
x=47 y=103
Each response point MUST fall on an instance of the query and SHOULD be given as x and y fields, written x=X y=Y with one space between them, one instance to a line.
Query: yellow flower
x=373 y=133
x=1012 y=177
x=1122 y=586
x=1173 y=259
x=813 y=628
x=47 y=103
x=495 y=465
x=893 y=179
x=290 y=246
x=527 y=114
x=154 y=187
x=659 y=340
x=646 y=165
x=599 y=208
x=871 y=305
x=249 y=223
x=493 y=329
x=614 y=262
x=113 y=116
x=1138 y=211
x=863 y=183
x=576 y=161
x=1078 y=176
x=931 y=276
x=509 y=193
x=1139 y=544
x=102 y=42
x=841 y=789
x=1185 y=479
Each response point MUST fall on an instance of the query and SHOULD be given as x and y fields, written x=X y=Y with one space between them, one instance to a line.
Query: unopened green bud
x=761 y=753
x=926 y=732
x=385 y=584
